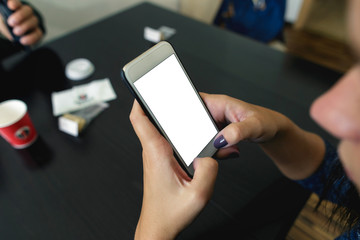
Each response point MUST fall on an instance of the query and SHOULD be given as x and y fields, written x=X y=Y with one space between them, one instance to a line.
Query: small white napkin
x=82 y=96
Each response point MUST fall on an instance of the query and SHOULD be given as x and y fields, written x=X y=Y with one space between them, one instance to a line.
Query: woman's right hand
x=241 y=121
x=296 y=152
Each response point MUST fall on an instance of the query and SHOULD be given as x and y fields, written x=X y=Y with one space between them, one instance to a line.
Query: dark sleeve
x=317 y=182
x=7 y=48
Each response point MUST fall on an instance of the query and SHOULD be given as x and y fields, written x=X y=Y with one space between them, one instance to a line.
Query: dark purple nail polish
x=220 y=142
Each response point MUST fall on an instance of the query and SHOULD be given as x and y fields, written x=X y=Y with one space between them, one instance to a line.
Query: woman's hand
x=171 y=199
x=24 y=22
x=297 y=153
x=241 y=121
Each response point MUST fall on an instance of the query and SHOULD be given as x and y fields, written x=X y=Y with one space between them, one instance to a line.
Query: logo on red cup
x=15 y=124
x=23 y=133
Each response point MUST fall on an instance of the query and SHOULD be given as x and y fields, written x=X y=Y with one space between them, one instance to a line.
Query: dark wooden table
x=91 y=187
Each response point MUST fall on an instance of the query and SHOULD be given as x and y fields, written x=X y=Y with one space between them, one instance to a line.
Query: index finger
x=216 y=105
x=144 y=129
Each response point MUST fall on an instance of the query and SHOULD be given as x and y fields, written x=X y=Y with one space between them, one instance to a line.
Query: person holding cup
x=25 y=22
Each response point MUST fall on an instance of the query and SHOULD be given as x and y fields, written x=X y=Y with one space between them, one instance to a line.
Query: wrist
x=150 y=232
x=296 y=152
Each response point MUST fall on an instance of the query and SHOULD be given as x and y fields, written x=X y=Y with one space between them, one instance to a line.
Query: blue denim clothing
x=316 y=183
x=261 y=23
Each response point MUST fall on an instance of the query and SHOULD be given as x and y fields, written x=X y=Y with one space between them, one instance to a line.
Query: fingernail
x=220 y=142
x=16 y=31
x=11 y=22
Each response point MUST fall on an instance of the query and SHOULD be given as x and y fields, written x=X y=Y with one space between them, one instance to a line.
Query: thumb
x=236 y=132
x=203 y=182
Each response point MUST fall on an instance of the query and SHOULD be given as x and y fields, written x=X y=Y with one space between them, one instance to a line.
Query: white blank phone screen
x=176 y=106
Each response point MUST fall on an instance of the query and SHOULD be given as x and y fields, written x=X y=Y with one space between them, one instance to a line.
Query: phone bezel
x=141 y=65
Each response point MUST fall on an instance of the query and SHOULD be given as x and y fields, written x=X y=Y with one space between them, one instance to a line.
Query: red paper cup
x=15 y=124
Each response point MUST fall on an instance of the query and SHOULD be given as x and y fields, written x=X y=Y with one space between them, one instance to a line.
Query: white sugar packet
x=82 y=96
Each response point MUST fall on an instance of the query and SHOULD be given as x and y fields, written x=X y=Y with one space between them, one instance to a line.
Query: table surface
x=90 y=187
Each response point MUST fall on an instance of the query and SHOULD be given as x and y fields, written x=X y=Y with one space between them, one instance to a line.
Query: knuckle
x=39 y=33
x=235 y=132
x=256 y=119
x=28 y=9
x=36 y=21
x=222 y=96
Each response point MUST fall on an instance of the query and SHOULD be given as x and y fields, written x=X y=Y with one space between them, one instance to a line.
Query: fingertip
x=14 y=4
x=203 y=94
x=134 y=111
x=31 y=38
x=135 y=103
x=220 y=142
x=11 y=21
x=137 y=108
x=226 y=153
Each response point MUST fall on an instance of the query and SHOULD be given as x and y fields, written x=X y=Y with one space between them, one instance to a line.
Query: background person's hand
x=24 y=23
x=171 y=199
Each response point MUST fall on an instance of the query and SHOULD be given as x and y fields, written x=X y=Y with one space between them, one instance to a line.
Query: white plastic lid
x=79 y=69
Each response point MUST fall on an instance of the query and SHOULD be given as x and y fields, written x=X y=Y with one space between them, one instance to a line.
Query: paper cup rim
x=21 y=113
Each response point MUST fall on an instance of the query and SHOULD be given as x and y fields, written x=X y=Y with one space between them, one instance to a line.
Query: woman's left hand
x=171 y=199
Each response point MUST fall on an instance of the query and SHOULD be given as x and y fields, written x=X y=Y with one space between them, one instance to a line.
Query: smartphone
x=160 y=84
